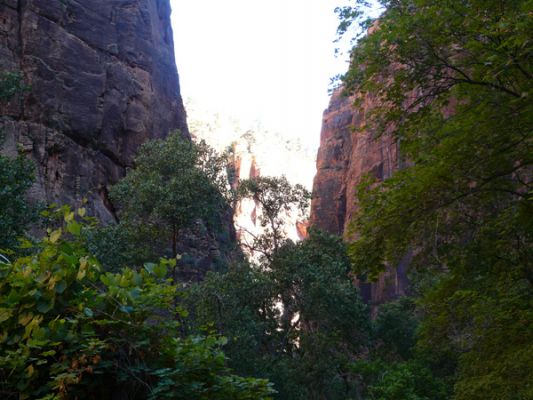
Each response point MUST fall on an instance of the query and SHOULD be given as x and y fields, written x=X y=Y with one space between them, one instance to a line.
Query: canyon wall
x=102 y=79
x=255 y=151
x=350 y=150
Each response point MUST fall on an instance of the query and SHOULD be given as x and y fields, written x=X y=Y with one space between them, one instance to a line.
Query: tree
x=16 y=177
x=394 y=330
x=298 y=322
x=324 y=322
x=70 y=330
x=394 y=368
x=172 y=186
x=240 y=304
x=297 y=318
x=453 y=84
x=277 y=199
x=409 y=380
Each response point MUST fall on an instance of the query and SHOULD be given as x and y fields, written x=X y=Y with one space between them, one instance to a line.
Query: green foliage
x=435 y=49
x=453 y=82
x=239 y=304
x=326 y=324
x=298 y=322
x=296 y=318
x=394 y=330
x=11 y=84
x=70 y=330
x=118 y=245
x=217 y=168
x=479 y=313
x=392 y=381
x=174 y=184
x=16 y=177
x=277 y=199
x=394 y=367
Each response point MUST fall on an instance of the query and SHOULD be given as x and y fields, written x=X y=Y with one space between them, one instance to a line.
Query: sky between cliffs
x=267 y=61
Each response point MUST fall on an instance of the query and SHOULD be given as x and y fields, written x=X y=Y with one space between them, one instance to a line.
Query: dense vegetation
x=88 y=311
x=454 y=82
x=72 y=330
x=16 y=176
x=174 y=184
x=72 y=327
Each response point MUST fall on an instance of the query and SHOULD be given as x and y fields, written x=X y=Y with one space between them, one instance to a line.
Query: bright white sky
x=269 y=61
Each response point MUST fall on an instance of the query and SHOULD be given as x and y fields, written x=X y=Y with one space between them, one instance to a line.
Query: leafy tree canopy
x=70 y=330
x=16 y=177
x=277 y=200
x=298 y=321
x=174 y=184
x=452 y=81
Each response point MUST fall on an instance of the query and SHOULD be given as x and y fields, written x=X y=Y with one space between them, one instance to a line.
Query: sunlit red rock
x=348 y=151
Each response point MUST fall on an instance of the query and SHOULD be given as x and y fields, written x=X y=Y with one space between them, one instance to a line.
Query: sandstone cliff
x=349 y=151
x=103 y=80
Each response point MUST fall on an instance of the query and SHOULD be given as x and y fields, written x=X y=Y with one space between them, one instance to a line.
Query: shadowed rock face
x=348 y=152
x=103 y=80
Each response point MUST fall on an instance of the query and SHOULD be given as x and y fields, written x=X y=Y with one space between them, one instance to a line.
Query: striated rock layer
x=348 y=152
x=103 y=80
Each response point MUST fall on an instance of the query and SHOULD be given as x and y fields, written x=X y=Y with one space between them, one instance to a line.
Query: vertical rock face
x=103 y=80
x=348 y=152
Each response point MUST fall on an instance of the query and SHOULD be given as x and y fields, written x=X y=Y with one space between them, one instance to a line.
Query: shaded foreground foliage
x=297 y=320
x=16 y=177
x=453 y=82
x=68 y=329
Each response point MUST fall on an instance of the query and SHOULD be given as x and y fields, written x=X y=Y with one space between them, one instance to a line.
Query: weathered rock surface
x=103 y=80
x=349 y=151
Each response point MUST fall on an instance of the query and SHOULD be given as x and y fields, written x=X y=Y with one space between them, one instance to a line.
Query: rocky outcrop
x=348 y=152
x=103 y=80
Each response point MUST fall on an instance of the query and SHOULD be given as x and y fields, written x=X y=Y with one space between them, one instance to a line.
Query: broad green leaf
x=55 y=235
x=74 y=228
x=69 y=217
